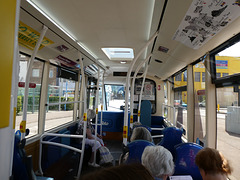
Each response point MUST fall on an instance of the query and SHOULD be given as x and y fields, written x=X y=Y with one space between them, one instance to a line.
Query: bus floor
x=67 y=167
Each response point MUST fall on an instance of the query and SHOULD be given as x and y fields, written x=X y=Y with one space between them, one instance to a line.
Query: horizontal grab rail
x=61 y=135
x=156 y=136
x=157 y=128
x=56 y=144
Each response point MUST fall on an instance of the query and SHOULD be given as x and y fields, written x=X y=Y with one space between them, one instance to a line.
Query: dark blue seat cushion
x=136 y=149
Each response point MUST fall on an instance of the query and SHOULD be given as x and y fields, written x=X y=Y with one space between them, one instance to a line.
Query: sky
x=231 y=51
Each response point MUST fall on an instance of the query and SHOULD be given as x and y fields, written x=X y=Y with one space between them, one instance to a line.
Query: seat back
x=146 y=110
x=22 y=164
x=171 y=137
x=185 y=160
x=19 y=170
x=136 y=149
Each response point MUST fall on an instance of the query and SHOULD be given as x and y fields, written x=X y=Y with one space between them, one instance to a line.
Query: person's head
x=122 y=172
x=212 y=162
x=141 y=133
x=158 y=161
x=90 y=114
x=136 y=124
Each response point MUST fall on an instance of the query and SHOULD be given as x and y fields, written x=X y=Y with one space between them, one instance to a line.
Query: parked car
x=202 y=104
x=184 y=105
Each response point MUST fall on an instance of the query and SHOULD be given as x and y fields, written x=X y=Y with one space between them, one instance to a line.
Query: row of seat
x=184 y=153
x=51 y=155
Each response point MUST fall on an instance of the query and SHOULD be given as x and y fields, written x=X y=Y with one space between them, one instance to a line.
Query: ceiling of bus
x=114 y=23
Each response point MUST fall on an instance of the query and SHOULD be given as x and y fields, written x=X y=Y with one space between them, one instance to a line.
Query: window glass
x=227 y=61
x=178 y=77
x=224 y=74
x=180 y=102
x=228 y=126
x=185 y=76
x=59 y=90
x=35 y=72
x=51 y=73
x=199 y=95
x=197 y=77
x=91 y=93
x=33 y=95
x=149 y=91
x=115 y=97
x=165 y=113
x=203 y=76
x=100 y=98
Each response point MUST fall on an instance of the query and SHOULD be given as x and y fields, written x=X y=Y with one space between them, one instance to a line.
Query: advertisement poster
x=204 y=19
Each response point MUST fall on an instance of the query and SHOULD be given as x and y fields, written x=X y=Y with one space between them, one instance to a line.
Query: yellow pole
x=218 y=107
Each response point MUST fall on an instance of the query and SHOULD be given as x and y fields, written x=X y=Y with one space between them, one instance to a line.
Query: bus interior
x=162 y=62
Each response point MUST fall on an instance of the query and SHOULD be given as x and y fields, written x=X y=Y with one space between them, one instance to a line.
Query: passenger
x=212 y=164
x=90 y=138
x=158 y=161
x=122 y=172
x=139 y=133
x=136 y=124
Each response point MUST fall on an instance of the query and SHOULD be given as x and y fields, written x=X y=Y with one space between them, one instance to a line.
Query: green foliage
x=52 y=99
x=19 y=104
x=70 y=106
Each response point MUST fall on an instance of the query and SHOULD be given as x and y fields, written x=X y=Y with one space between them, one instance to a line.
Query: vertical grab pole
x=29 y=70
x=102 y=102
x=96 y=118
x=83 y=91
x=125 y=126
x=132 y=90
x=140 y=98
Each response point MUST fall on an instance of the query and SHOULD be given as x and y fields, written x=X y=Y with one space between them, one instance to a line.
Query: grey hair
x=136 y=124
x=141 y=133
x=90 y=114
x=158 y=161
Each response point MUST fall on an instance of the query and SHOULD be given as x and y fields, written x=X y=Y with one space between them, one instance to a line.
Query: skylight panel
x=119 y=53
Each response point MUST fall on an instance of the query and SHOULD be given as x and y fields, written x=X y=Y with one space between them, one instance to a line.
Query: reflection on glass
x=228 y=129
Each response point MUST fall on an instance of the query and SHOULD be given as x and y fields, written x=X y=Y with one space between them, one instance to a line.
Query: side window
x=60 y=91
x=33 y=95
x=199 y=95
x=180 y=101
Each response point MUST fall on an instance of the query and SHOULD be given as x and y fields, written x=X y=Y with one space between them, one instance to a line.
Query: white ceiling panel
x=114 y=23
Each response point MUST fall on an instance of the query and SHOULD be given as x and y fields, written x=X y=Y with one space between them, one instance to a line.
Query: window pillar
x=190 y=104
